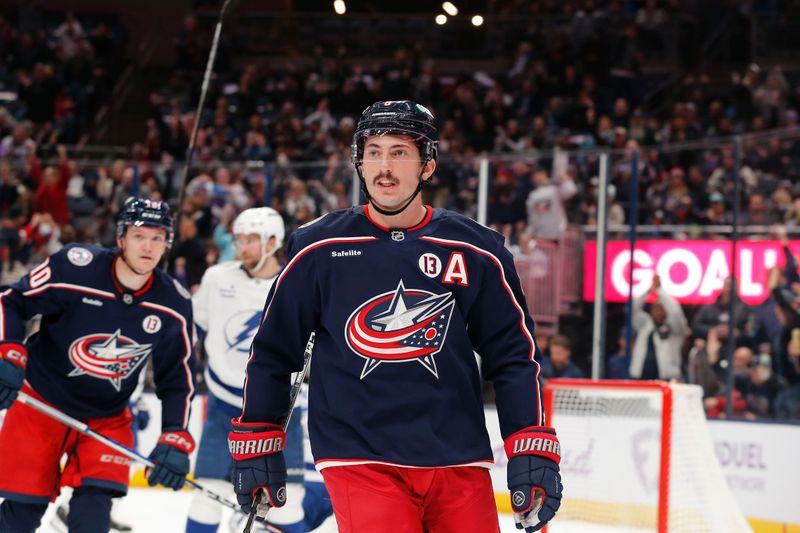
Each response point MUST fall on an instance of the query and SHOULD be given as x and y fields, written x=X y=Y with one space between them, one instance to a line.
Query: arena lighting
x=339 y=7
x=450 y=8
x=441 y=19
x=477 y=20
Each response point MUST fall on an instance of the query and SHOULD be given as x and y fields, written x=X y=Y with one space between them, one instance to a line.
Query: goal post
x=638 y=455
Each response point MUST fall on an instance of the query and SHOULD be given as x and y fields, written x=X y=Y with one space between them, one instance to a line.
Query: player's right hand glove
x=171 y=458
x=257 y=451
x=13 y=358
x=533 y=476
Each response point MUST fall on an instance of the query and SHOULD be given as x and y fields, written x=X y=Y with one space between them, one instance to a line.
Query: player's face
x=249 y=249
x=143 y=247
x=391 y=167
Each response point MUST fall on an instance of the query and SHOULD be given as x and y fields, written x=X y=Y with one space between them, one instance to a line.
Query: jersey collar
x=421 y=224
x=122 y=289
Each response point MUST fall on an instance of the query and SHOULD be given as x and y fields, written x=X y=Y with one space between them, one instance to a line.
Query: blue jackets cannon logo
x=110 y=356
x=400 y=326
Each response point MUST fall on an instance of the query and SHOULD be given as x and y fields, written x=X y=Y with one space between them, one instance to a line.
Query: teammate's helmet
x=145 y=212
x=263 y=221
x=397 y=117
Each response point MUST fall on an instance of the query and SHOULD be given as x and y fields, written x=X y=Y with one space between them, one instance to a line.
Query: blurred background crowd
x=96 y=106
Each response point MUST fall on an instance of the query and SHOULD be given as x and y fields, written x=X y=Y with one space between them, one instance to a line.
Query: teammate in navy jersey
x=399 y=295
x=227 y=308
x=103 y=314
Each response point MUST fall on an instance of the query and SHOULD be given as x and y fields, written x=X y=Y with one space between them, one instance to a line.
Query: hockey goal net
x=638 y=455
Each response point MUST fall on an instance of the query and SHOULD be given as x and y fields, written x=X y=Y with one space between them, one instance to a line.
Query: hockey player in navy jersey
x=103 y=314
x=399 y=295
x=227 y=308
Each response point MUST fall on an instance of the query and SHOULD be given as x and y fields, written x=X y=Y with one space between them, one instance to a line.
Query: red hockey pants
x=374 y=498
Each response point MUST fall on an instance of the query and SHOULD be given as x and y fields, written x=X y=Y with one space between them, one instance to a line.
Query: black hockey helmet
x=144 y=212
x=397 y=117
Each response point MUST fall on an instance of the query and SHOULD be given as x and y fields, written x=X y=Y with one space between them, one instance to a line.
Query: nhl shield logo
x=109 y=356
x=400 y=326
x=398 y=236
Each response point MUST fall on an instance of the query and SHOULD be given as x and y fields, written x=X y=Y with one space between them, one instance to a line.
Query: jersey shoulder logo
x=181 y=290
x=109 y=356
x=79 y=256
x=400 y=326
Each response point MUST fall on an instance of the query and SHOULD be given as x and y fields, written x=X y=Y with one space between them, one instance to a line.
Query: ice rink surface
x=162 y=511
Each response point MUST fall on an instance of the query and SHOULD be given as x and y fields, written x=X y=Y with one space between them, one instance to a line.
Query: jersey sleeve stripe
x=3 y=314
x=307 y=249
x=286 y=269
x=514 y=302
x=185 y=361
x=69 y=287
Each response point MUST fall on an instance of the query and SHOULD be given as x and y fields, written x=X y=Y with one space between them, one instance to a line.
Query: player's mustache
x=380 y=177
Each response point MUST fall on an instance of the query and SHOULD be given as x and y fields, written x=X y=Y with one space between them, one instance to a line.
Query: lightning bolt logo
x=240 y=330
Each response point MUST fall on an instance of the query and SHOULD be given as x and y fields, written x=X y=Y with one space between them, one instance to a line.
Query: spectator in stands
x=660 y=333
x=784 y=289
x=188 y=257
x=546 y=216
x=787 y=403
x=559 y=363
x=764 y=386
x=18 y=145
x=716 y=315
x=15 y=245
x=618 y=365
x=223 y=235
x=51 y=195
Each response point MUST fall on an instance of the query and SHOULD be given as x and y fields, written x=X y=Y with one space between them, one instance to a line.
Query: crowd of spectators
x=55 y=73
x=281 y=135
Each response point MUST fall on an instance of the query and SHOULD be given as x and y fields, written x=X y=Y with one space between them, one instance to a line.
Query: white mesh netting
x=611 y=460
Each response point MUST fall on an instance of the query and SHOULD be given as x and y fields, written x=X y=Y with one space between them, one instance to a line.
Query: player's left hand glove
x=13 y=358
x=258 y=463
x=533 y=476
x=171 y=456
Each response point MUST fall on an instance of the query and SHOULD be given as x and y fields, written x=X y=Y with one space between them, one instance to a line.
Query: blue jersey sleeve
x=289 y=317
x=501 y=330
x=30 y=297
x=174 y=366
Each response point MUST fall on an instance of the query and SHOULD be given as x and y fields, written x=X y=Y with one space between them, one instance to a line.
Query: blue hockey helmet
x=396 y=117
x=144 y=212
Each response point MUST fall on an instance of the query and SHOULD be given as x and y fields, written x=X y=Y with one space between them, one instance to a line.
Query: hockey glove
x=533 y=476
x=171 y=458
x=13 y=358
x=257 y=451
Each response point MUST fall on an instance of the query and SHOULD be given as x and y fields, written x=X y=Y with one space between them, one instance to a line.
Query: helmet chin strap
x=264 y=256
x=392 y=212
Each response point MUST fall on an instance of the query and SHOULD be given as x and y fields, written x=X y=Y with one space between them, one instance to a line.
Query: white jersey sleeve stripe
x=514 y=302
x=187 y=341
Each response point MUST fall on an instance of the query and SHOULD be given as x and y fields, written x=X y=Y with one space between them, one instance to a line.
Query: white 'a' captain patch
x=79 y=256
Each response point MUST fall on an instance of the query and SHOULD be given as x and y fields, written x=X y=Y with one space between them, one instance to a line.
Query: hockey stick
x=79 y=426
x=258 y=508
x=212 y=57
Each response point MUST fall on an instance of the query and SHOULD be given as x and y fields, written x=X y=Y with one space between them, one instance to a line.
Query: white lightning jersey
x=228 y=308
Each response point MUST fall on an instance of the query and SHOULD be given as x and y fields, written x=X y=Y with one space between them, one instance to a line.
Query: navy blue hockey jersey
x=397 y=316
x=95 y=336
